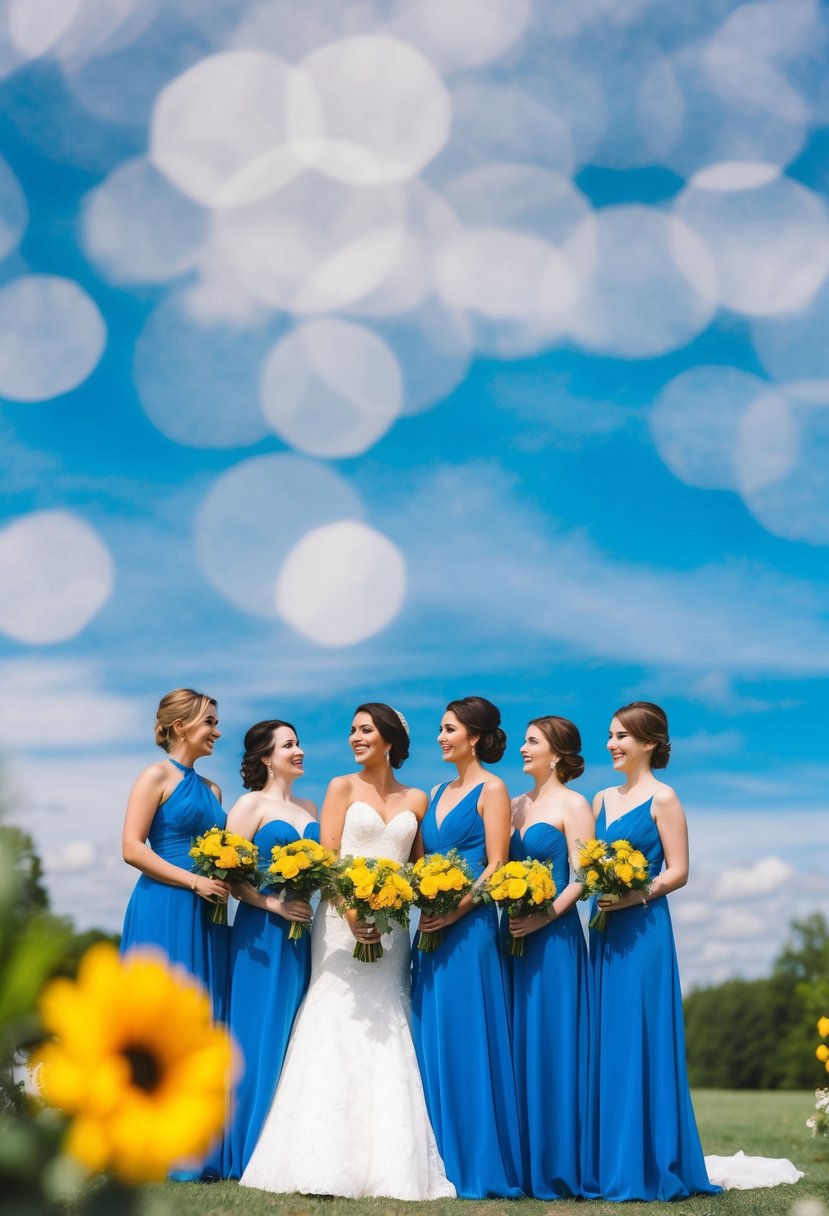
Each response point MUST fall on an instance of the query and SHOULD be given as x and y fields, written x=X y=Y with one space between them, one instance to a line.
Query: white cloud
x=47 y=705
x=76 y=857
x=731 y=616
x=756 y=881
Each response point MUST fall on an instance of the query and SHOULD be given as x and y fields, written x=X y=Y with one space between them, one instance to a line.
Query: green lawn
x=762 y=1124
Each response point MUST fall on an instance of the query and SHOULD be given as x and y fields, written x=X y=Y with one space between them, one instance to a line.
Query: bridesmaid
x=270 y=972
x=550 y=981
x=459 y=1003
x=643 y=1136
x=170 y=907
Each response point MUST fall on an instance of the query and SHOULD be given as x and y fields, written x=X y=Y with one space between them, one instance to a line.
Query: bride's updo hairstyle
x=648 y=723
x=258 y=745
x=564 y=739
x=481 y=718
x=392 y=727
x=181 y=705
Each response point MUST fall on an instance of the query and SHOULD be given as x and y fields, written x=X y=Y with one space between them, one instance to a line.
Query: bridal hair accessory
x=403 y=722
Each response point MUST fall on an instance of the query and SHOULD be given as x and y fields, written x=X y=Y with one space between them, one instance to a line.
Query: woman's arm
x=332 y=815
x=145 y=798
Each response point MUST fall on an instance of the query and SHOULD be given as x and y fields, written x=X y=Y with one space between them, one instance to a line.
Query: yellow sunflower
x=136 y=1062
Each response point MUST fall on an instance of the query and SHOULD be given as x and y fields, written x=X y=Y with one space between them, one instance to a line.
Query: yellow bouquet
x=521 y=887
x=300 y=868
x=440 y=882
x=226 y=856
x=610 y=870
x=380 y=892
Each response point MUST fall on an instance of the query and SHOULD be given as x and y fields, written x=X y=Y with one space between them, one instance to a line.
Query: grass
x=761 y=1124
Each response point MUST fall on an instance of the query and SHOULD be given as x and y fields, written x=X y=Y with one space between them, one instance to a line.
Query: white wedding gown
x=349 y=1116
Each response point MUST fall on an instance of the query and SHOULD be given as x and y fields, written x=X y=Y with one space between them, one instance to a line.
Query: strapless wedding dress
x=349 y=1116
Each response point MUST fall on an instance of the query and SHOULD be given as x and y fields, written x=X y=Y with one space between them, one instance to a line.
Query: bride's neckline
x=386 y=822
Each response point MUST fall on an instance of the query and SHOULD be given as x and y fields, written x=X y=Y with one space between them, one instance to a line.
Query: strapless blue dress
x=642 y=1140
x=550 y=1025
x=461 y=1029
x=269 y=977
x=174 y=920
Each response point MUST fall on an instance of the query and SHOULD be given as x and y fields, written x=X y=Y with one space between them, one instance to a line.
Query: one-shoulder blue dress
x=270 y=975
x=461 y=1029
x=550 y=1026
x=174 y=920
x=643 y=1139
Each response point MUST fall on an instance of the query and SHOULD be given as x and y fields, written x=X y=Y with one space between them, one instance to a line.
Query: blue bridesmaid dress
x=550 y=1022
x=270 y=975
x=643 y=1139
x=174 y=920
x=460 y=1026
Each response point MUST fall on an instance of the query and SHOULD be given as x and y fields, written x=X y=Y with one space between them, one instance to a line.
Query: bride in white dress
x=349 y=1116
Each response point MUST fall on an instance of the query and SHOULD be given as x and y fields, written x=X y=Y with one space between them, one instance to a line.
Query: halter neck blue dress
x=270 y=976
x=550 y=1023
x=174 y=920
x=461 y=1028
x=643 y=1139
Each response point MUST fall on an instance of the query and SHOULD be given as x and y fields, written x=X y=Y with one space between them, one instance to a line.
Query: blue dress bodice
x=462 y=828
x=638 y=826
x=543 y=842
x=191 y=809
x=276 y=832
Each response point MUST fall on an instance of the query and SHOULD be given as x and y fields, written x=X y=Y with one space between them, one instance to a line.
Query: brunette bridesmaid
x=642 y=1132
x=550 y=1015
x=459 y=1000
x=270 y=971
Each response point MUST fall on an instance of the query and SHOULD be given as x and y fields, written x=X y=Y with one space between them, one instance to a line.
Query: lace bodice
x=366 y=834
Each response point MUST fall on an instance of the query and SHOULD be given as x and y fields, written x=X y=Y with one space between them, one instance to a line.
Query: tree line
x=760 y=1034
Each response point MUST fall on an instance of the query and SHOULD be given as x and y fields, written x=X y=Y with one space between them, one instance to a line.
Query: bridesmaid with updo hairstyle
x=459 y=999
x=270 y=972
x=550 y=1017
x=171 y=907
x=643 y=1140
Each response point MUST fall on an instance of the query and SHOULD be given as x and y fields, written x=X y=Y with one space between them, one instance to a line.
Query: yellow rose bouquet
x=226 y=856
x=609 y=871
x=440 y=882
x=521 y=888
x=301 y=868
x=380 y=892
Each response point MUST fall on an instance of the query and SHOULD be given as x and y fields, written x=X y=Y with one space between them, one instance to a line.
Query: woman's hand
x=298 y=910
x=615 y=904
x=362 y=930
x=522 y=926
x=435 y=924
x=211 y=889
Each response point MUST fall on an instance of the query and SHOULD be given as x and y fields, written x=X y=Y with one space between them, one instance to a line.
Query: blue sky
x=399 y=351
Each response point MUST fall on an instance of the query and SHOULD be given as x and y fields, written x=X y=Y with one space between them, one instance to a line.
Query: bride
x=349 y=1117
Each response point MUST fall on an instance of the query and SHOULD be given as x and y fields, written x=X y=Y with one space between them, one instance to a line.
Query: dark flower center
x=146 y=1073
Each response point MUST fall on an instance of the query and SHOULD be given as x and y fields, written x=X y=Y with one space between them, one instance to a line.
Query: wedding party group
x=509 y=1056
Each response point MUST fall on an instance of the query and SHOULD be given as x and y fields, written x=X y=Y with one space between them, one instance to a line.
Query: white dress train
x=741 y=1173
x=349 y=1116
